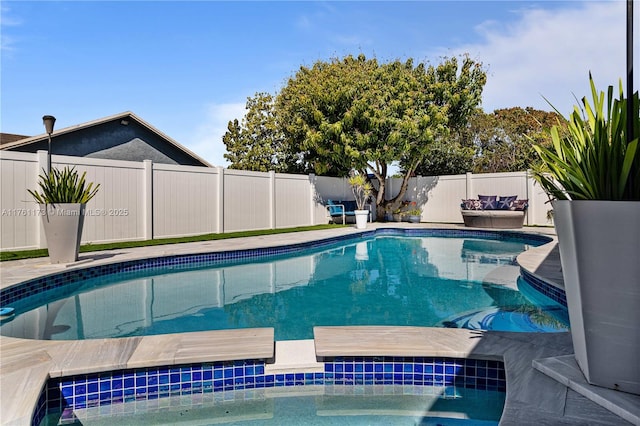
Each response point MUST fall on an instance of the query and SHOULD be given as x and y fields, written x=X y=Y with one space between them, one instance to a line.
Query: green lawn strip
x=27 y=254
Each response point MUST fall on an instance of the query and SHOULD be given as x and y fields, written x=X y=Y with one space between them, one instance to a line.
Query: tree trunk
x=382 y=205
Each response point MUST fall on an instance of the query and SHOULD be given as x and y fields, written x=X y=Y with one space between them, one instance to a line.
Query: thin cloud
x=313 y=20
x=350 y=40
x=303 y=23
x=7 y=42
x=322 y=23
x=6 y=20
x=549 y=53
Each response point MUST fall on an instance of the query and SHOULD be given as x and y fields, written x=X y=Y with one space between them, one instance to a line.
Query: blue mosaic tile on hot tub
x=63 y=395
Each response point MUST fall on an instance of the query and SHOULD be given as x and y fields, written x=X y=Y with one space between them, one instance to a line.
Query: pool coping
x=26 y=364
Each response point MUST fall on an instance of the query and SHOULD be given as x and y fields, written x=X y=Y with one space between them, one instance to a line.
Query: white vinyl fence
x=139 y=201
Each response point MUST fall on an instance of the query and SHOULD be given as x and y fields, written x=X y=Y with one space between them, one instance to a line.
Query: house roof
x=6 y=138
x=128 y=115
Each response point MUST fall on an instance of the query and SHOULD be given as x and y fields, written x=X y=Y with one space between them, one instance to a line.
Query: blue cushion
x=334 y=210
x=350 y=205
x=488 y=202
x=505 y=203
x=338 y=210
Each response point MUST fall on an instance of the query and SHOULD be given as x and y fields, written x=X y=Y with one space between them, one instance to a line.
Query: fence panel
x=184 y=200
x=20 y=220
x=247 y=200
x=117 y=210
x=443 y=197
x=292 y=200
x=331 y=188
x=501 y=184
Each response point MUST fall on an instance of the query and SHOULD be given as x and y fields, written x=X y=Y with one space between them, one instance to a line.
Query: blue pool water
x=384 y=280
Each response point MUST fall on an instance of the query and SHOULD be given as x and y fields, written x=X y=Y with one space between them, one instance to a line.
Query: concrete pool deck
x=532 y=397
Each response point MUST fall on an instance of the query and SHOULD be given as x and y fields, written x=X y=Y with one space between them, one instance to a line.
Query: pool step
x=204 y=346
x=397 y=341
x=295 y=356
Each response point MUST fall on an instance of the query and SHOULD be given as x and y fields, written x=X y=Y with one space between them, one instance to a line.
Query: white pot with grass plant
x=62 y=198
x=362 y=189
x=592 y=173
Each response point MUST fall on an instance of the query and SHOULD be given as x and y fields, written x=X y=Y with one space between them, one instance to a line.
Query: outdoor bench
x=499 y=212
x=342 y=210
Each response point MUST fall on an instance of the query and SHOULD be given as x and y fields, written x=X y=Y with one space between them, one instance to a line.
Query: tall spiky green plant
x=361 y=188
x=64 y=187
x=595 y=159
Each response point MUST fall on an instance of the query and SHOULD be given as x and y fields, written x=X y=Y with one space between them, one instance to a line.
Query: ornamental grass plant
x=361 y=189
x=595 y=159
x=64 y=186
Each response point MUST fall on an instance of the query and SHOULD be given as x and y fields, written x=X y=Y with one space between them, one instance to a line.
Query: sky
x=187 y=68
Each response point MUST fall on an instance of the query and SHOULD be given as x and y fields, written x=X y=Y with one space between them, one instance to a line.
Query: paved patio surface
x=533 y=397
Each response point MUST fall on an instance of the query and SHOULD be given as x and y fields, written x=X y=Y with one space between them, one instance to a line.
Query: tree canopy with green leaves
x=449 y=157
x=504 y=139
x=357 y=114
x=501 y=141
x=258 y=143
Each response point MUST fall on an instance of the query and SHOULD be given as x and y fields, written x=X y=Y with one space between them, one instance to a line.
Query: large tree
x=504 y=139
x=501 y=141
x=258 y=143
x=357 y=114
x=447 y=157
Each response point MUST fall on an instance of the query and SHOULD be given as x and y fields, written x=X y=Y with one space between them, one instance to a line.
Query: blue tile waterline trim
x=542 y=286
x=67 y=394
x=39 y=285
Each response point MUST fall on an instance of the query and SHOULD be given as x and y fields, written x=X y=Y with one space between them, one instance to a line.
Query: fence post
x=531 y=210
x=272 y=199
x=147 y=199
x=312 y=199
x=220 y=201
x=41 y=160
x=469 y=185
x=42 y=167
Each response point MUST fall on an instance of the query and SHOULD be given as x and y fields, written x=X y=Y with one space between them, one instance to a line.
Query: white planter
x=63 y=230
x=600 y=255
x=361 y=218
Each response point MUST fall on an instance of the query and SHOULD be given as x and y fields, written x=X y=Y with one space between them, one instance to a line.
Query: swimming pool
x=424 y=278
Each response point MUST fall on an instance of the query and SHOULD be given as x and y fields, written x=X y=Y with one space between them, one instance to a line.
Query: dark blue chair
x=342 y=209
